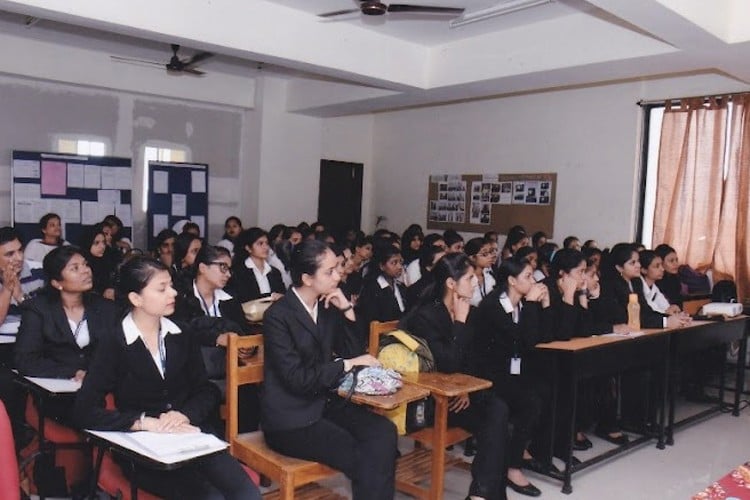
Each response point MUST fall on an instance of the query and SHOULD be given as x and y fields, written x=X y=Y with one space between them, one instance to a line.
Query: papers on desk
x=165 y=448
x=623 y=335
x=7 y=339
x=56 y=385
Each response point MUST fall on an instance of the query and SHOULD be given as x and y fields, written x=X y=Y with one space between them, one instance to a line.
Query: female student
x=509 y=325
x=530 y=254
x=113 y=228
x=652 y=271
x=454 y=242
x=232 y=229
x=383 y=298
x=311 y=341
x=411 y=242
x=164 y=250
x=61 y=327
x=51 y=228
x=516 y=239
x=186 y=248
x=252 y=276
x=444 y=320
x=415 y=269
x=480 y=254
x=670 y=284
x=427 y=260
x=154 y=370
x=103 y=266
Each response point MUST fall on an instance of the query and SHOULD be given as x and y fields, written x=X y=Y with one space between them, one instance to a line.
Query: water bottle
x=634 y=313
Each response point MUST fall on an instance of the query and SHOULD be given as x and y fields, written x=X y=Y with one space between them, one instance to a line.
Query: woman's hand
x=536 y=293
x=109 y=293
x=337 y=299
x=459 y=403
x=171 y=420
x=678 y=320
x=621 y=328
x=79 y=376
x=568 y=287
x=276 y=296
x=672 y=309
x=461 y=307
x=363 y=360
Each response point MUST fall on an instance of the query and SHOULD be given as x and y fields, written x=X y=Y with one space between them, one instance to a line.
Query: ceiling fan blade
x=338 y=13
x=135 y=61
x=193 y=71
x=424 y=8
x=200 y=56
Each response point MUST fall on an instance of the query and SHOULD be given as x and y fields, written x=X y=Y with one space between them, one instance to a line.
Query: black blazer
x=671 y=286
x=45 y=345
x=243 y=286
x=301 y=362
x=498 y=338
x=188 y=312
x=451 y=342
x=563 y=321
x=129 y=373
x=614 y=305
x=379 y=304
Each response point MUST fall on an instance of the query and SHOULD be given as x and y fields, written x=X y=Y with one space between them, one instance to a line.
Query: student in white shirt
x=253 y=277
x=51 y=227
x=479 y=251
x=232 y=229
x=652 y=270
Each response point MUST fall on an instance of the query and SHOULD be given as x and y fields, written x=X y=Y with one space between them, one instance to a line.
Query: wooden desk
x=405 y=395
x=443 y=387
x=586 y=357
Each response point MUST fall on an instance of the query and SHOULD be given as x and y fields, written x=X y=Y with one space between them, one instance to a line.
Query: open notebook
x=165 y=448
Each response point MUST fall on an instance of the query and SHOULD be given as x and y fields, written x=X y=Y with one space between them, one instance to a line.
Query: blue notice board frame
x=176 y=191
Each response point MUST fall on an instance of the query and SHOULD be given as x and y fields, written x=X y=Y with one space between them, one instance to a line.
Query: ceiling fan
x=376 y=8
x=175 y=64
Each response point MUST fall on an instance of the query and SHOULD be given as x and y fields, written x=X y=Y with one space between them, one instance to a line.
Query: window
x=81 y=147
x=156 y=153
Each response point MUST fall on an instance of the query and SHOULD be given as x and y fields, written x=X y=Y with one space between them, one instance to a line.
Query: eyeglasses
x=223 y=267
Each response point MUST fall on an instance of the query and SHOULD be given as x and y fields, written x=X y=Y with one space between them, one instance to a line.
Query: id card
x=515 y=366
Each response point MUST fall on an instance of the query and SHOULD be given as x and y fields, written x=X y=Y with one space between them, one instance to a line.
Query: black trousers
x=486 y=418
x=215 y=477
x=351 y=439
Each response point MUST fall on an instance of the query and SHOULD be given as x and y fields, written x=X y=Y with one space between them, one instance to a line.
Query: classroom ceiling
x=354 y=63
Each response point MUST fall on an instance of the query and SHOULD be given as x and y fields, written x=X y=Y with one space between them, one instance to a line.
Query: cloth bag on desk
x=371 y=380
x=254 y=309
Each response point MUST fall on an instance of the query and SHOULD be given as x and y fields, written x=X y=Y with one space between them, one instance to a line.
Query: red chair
x=10 y=487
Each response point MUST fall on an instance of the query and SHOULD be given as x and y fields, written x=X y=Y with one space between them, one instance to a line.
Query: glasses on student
x=223 y=267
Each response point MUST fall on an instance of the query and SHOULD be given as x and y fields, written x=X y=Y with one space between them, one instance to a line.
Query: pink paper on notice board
x=54 y=177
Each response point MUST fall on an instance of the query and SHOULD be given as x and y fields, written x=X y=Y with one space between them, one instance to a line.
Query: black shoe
x=538 y=466
x=582 y=444
x=529 y=490
x=620 y=440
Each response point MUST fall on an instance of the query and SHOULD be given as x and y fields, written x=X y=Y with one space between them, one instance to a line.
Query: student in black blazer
x=252 y=276
x=670 y=285
x=445 y=320
x=155 y=372
x=383 y=298
x=61 y=327
x=509 y=325
x=311 y=341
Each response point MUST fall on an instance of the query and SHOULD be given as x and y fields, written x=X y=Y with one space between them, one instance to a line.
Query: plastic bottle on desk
x=634 y=313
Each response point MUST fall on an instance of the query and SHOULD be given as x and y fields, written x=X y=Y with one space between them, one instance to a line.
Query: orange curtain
x=732 y=258
x=689 y=186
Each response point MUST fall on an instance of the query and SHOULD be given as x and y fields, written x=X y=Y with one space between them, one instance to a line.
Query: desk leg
x=672 y=391
x=739 y=384
x=134 y=482
x=438 y=447
x=97 y=470
x=664 y=399
x=555 y=398
x=570 y=419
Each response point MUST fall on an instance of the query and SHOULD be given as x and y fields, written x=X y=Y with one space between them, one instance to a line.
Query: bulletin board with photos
x=176 y=191
x=492 y=202
x=82 y=190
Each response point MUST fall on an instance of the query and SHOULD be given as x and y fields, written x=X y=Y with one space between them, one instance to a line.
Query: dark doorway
x=340 y=195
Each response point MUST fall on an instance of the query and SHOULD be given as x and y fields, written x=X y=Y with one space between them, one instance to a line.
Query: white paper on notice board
x=92 y=176
x=201 y=221
x=179 y=205
x=28 y=169
x=109 y=196
x=75 y=175
x=198 y=182
x=23 y=211
x=68 y=210
x=108 y=178
x=160 y=222
x=90 y=212
x=124 y=213
x=161 y=182
x=23 y=191
x=123 y=178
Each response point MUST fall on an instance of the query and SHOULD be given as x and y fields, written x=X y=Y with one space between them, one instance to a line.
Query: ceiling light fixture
x=496 y=10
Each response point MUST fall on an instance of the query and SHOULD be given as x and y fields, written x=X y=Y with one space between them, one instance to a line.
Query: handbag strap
x=405 y=339
x=355 y=373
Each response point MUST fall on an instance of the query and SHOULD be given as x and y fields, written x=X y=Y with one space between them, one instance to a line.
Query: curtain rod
x=678 y=99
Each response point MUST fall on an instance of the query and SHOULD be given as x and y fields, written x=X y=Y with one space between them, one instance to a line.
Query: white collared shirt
x=508 y=307
x=655 y=299
x=212 y=309
x=132 y=333
x=313 y=312
x=484 y=288
x=80 y=332
x=384 y=284
x=413 y=273
x=260 y=276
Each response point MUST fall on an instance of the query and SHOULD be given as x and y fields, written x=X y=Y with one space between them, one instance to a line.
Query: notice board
x=478 y=203
x=176 y=191
x=82 y=190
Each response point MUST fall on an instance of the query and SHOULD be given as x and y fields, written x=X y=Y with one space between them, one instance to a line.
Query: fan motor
x=373 y=8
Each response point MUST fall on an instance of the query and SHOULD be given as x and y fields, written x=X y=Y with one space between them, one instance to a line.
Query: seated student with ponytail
x=652 y=271
x=509 y=325
x=383 y=298
x=155 y=372
x=444 y=319
x=480 y=254
x=311 y=341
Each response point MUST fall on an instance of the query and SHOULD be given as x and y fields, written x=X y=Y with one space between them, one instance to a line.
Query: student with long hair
x=411 y=243
x=51 y=227
x=516 y=239
x=155 y=372
x=480 y=254
x=383 y=297
x=445 y=320
x=652 y=271
x=670 y=284
x=454 y=242
x=103 y=266
x=509 y=326
x=232 y=229
x=252 y=276
x=415 y=269
x=164 y=250
x=427 y=260
x=311 y=341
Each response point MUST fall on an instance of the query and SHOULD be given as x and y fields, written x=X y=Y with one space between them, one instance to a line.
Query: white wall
x=590 y=137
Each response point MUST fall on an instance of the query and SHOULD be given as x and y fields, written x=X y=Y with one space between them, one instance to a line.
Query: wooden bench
x=251 y=449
